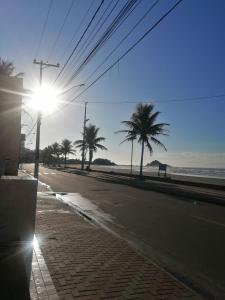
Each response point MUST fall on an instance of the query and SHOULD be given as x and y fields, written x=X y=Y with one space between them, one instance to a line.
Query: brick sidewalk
x=87 y=263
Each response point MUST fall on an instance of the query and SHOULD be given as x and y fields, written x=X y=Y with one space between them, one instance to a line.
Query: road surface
x=185 y=237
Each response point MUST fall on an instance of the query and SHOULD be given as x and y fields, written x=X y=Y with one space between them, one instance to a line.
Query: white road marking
x=209 y=221
x=39 y=173
x=53 y=173
x=46 y=173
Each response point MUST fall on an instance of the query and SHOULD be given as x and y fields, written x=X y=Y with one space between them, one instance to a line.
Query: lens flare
x=44 y=99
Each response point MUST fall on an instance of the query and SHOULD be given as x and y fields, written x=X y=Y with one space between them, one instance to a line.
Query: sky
x=182 y=58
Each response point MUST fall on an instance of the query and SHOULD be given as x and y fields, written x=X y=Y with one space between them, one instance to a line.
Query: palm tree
x=56 y=150
x=46 y=155
x=92 y=142
x=66 y=148
x=130 y=137
x=142 y=125
x=6 y=67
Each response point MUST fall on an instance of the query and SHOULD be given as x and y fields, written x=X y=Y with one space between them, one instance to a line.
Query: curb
x=172 y=189
x=157 y=186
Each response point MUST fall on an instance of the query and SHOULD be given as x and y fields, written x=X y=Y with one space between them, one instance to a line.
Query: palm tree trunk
x=65 y=161
x=142 y=157
x=90 y=159
x=131 y=159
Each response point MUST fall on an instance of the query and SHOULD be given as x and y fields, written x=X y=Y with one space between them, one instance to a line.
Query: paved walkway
x=41 y=285
x=87 y=263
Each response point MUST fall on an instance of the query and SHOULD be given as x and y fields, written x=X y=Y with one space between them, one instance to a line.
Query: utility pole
x=84 y=131
x=37 y=148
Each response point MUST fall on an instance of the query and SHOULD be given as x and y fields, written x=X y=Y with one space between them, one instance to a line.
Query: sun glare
x=44 y=99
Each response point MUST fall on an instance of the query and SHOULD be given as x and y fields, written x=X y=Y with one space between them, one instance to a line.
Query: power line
x=158 y=101
x=106 y=35
x=124 y=38
x=28 y=114
x=82 y=36
x=93 y=33
x=126 y=52
x=77 y=30
x=44 y=28
x=117 y=27
x=177 y=100
x=30 y=131
x=61 y=28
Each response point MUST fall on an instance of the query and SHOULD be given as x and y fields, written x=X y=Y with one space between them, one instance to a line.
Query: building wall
x=17 y=222
x=10 y=123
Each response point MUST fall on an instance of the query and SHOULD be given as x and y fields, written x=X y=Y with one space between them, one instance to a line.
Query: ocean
x=185 y=171
x=200 y=172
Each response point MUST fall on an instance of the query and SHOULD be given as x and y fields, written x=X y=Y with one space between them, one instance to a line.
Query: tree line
x=58 y=153
x=141 y=127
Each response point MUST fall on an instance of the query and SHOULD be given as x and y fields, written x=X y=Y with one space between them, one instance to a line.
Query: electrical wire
x=27 y=113
x=215 y=97
x=77 y=30
x=79 y=41
x=61 y=29
x=44 y=28
x=126 y=52
x=123 y=39
x=30 y=131
x=106 y=35
x=92 y=34
x=175 y=100
x=117 y=27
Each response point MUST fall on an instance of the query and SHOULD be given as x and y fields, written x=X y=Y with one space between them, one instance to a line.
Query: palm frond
x=149 y=147
x=99 y=139
x=153 y=117
x=101 y=147
x=122 y=131
x=158 y=143
x=77 y=142
x=128 y=139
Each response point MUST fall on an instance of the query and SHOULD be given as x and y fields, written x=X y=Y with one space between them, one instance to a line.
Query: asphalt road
x=185 y=237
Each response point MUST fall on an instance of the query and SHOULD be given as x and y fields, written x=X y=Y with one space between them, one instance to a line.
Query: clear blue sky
x=183 y=57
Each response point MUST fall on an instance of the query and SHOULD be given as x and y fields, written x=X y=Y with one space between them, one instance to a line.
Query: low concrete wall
x=17 y=224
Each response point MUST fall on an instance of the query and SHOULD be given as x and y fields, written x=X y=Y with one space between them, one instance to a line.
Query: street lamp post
x=84 y=131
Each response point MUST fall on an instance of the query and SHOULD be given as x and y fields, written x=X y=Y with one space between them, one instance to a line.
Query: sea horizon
x=205 y=172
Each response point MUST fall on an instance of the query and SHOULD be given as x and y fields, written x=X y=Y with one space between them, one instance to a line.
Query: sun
x=44 y=99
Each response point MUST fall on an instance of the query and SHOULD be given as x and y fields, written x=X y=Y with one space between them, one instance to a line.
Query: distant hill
x=103 y=162
x=155 y=163
x=73 y=161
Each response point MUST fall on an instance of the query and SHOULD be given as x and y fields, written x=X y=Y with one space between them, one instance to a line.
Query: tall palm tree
x=56 y=150
x=6 y=67
x=130 y=137
x=143 y=126
x=92 y=142
x=66 y=148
